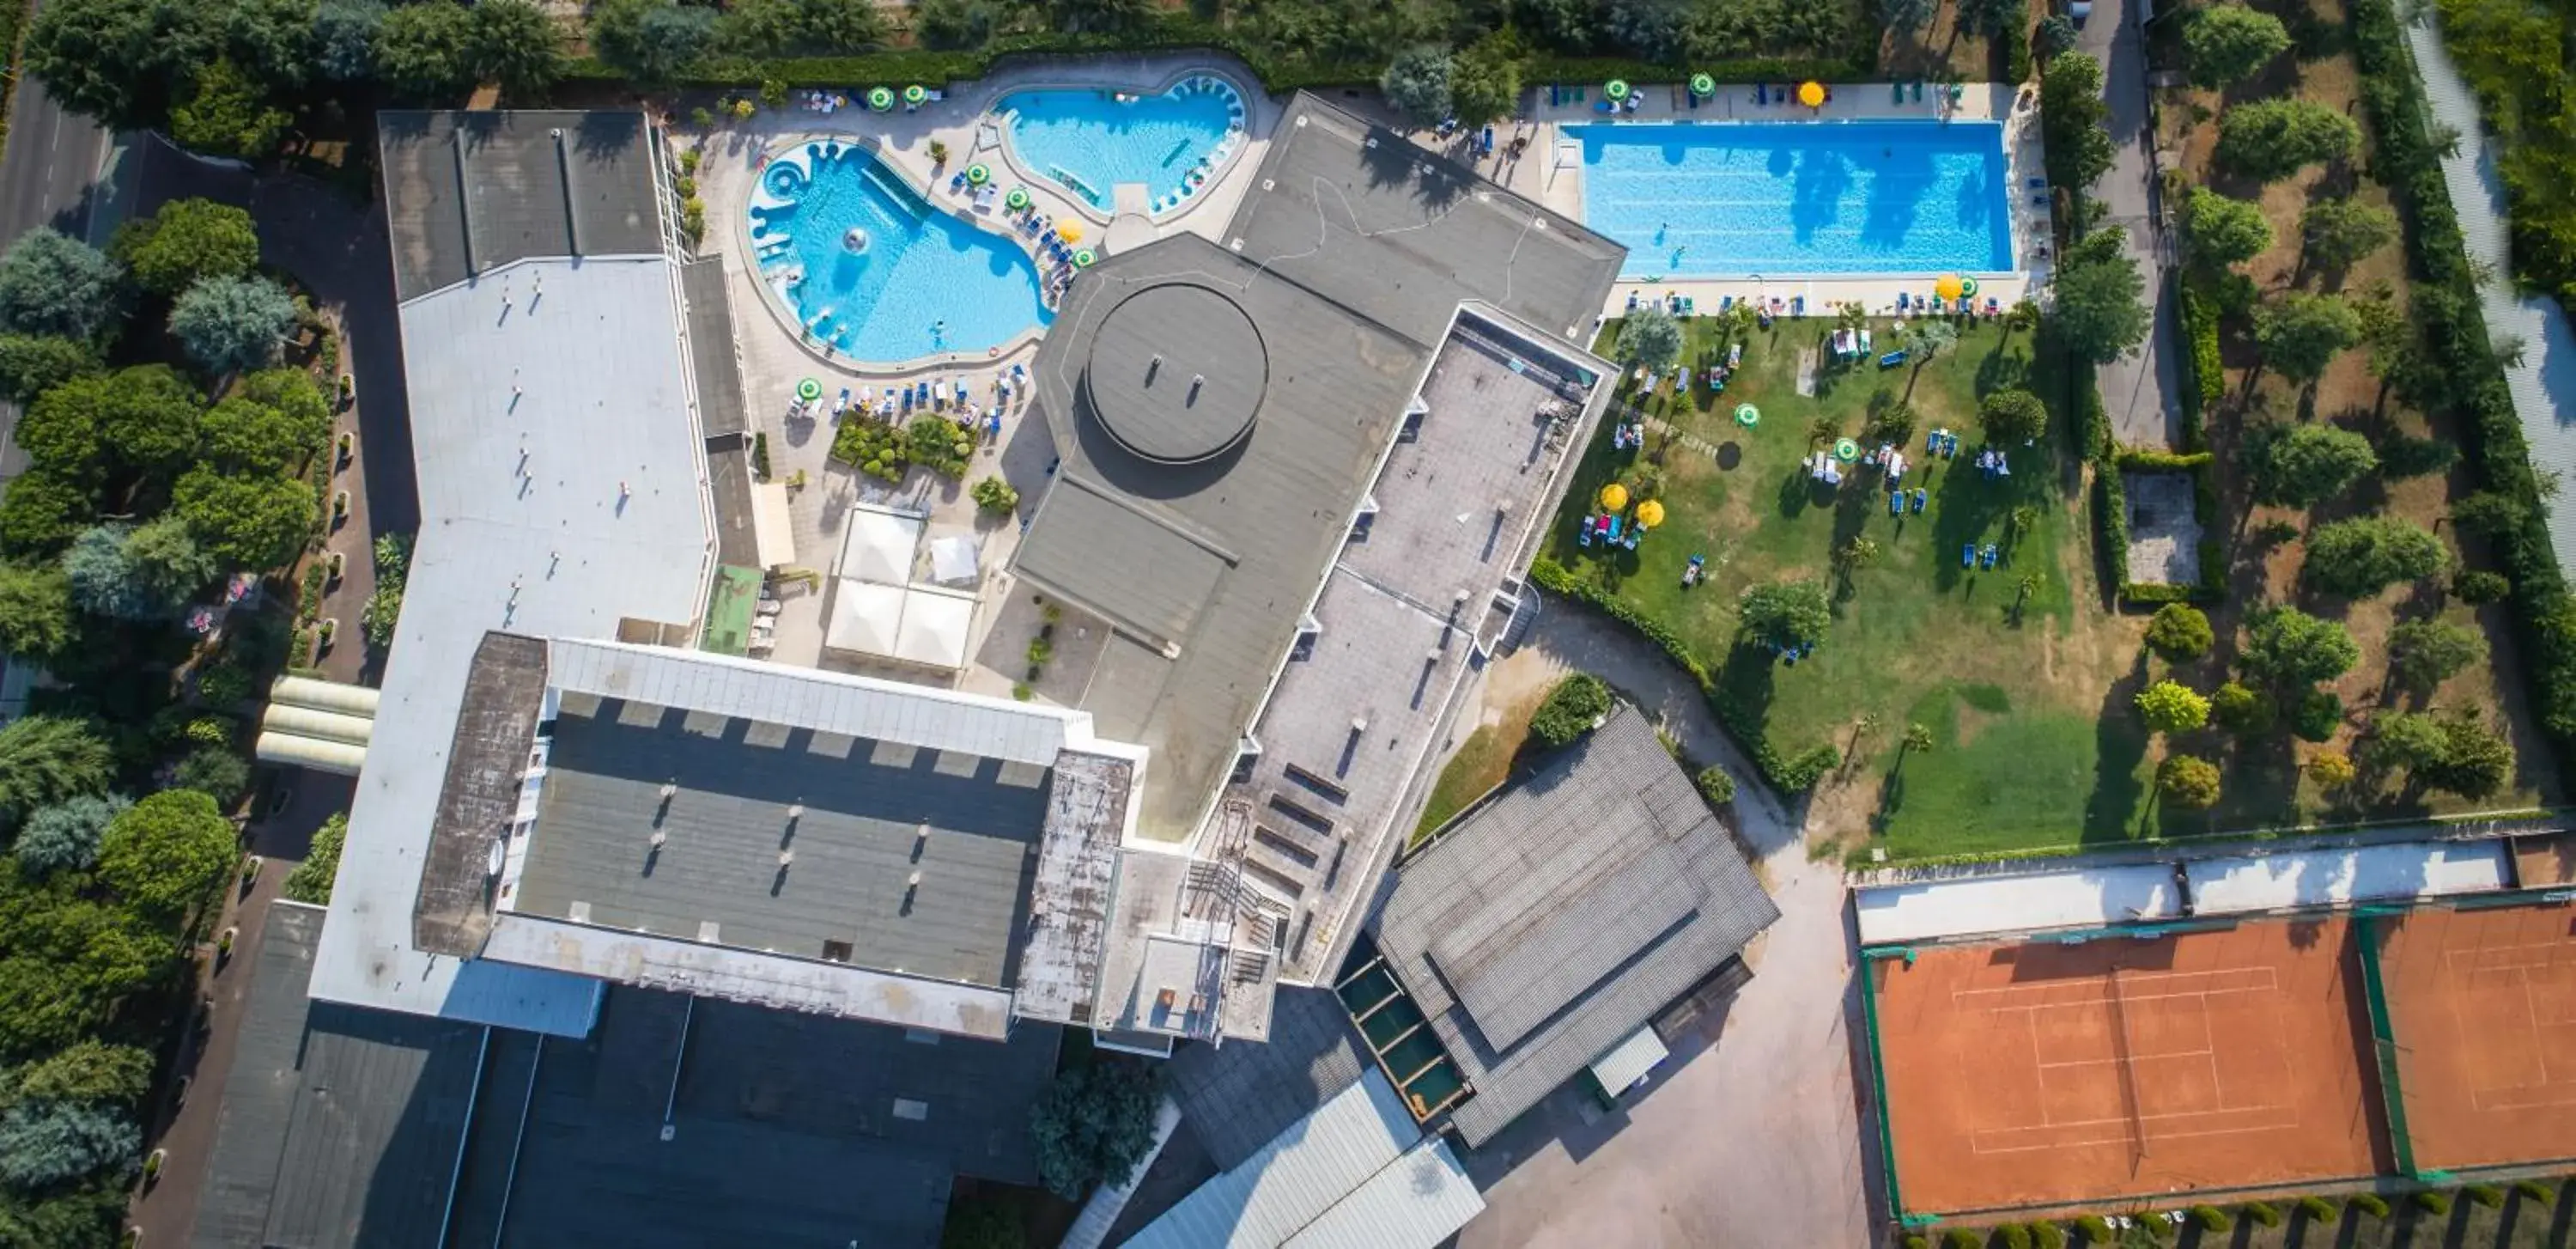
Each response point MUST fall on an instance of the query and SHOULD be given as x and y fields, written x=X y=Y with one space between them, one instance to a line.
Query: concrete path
x=2141 y=390
x=1751 y=1134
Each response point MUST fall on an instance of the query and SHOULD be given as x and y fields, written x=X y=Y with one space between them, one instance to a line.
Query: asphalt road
x=48 y=177
x=2140 y=390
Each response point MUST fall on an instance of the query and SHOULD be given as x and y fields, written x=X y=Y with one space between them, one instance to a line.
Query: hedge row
x=2472 y=389
x=2206 y=382
x=1788 y=775
x=1182 y=31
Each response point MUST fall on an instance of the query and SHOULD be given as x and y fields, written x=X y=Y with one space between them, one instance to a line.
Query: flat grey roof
x=1237 y=1098
x=345 y=1126
x=876 y=815
x=469 y=192
x=1557 y=918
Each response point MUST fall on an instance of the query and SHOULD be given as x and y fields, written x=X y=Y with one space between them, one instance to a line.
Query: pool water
x=1783 y=198
x=924 y=282
x=1092 y=141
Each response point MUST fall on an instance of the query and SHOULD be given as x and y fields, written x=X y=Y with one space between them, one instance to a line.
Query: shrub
x=2432 y=1202
x=939 y=443
x=1715 y=785
x=2180 y=632
x=2291 y=647
x=1094 y=1125
x=872 y=447
x=2330 y=770
x=2096 y=1231
x=2487 y=1195
x=214 y=771
x=2362 y=556
x=2536 y=1192
x=1917 y=1240
x=760 y=455
x=2172 y=707
x=2262 y=1213
x=2241 y=709
x=1783 y=614
x=2318 y=714
x=311 y=879
x=2015 y=1236
x=2371 y=1204
x=2188 y=781
x=2013 y=416
x=1569 y=710
x=2047 y=1236
x=2479 y=587
x=2273 y=139
x=2211 y=1219
x=995 y=497
x=1962 y=1238
x=2320 y=1209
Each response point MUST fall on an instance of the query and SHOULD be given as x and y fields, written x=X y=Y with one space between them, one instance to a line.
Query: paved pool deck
x=1548 y=167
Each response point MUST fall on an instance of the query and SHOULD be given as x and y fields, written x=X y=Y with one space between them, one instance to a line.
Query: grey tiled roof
x=1556 y=919
x=1237 y=1097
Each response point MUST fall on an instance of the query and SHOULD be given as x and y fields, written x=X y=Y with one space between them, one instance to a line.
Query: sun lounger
x=1798 y=306
x=1967 y=555
x=1921 y=497
x=1904 y=301
x=1583 y=532
x=1891 y=360
x=1896 y=503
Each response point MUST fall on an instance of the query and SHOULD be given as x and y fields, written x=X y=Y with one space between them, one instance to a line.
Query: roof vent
x=659 y=838
x=670 y=790
x=786 y=857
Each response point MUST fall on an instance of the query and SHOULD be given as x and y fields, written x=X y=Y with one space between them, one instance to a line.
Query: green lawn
x=2022 y=753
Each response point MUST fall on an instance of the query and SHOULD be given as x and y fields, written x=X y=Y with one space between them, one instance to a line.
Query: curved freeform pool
x=1091 y=141
x=874 y=271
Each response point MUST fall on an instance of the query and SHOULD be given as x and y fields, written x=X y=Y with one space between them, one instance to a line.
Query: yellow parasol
x=1948 y=287
x=1811 y=94
x=1650 y=513
x=1614 y=497
x=1069 y=232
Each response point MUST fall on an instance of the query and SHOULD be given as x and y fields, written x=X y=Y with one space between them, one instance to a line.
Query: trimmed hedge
x=2207 y=383
x=1182 y=31
x=2471 y=387
x=2211 y=584
x=2141 y=461
x=1788 y=775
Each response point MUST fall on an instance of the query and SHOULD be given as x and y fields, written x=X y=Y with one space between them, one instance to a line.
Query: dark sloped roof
x=1237 y=1098
x=1553 y=921
x=468 y=192
x=721 y=402
x=495 y=728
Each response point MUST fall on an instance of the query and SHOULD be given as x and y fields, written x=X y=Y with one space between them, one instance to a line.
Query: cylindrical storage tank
x=306 y=722
x=311 y=752
x=348 y=700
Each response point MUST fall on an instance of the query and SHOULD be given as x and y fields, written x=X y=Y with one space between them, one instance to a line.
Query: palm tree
x=2029 y=585
x=2024 y=519
x=1917 y=738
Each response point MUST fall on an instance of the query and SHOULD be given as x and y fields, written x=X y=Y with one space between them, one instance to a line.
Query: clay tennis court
x=2043 y=1072
x=2483 y=1007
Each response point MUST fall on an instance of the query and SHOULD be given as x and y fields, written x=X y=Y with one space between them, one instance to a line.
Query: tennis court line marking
x=1977 y=1137
x=2469 y=966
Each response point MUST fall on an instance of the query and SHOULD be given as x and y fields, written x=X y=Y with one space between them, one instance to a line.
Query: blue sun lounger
x=1891 y=360
x=1967 y=555
x=1986 y=558
x=1896 y=503
x=1921 y=497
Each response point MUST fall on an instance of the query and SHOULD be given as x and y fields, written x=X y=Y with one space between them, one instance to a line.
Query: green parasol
x=1846 y=450
x=1747 y=415
x=880 y=99
x=1967 y=286
x=1084 y=259
x=1616 y=88
x=809 y=390
x=1018 y=198
x=915 y=94
x=978 y=174
x=1703 y=85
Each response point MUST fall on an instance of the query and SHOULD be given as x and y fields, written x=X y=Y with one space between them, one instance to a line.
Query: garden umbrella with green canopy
x=1703 y=85
x=1846 y=450
x=1018 y=198
x=1616 y=88
x=1084 y=258
x=915 y=94
x=880 y=99
x=1747 y=415
x=809 y=390
x=978 y=174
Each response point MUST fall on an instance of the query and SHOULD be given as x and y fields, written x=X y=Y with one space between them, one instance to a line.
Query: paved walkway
x=2141 y=390
x=1751 y=1134
x=2544 y=383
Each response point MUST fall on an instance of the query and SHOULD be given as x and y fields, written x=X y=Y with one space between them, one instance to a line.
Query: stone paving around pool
x=775 y=354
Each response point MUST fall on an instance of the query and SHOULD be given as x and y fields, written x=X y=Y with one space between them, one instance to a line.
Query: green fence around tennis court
x=1869 y=957
x=2383 y=1036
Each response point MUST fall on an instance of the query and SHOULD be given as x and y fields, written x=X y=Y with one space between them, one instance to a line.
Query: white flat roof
x=2309 y=878
x=2074 y=898
x=879 y=545
x=562 y=488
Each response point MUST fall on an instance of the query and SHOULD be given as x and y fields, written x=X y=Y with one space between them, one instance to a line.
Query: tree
x=2330 y=770
x=35 y=611
x=2292 y=647
x=2057 y=34
x=2478 y=587
x=2220 y=231
x=2013 y=416
x=271 y=40
x=513 y=43
x=2453 y=752
x=1485 y=81
x=1926 y=337
x=1569 y=710
x=243 y=435
x=2227 y=43
x=2188 y=781
x=2424 y=653
x=46 y=759
x=2491 y=514
x=995 y=497
x=2362 y=556
x=31 y=364
x=1988 y=18
x=1094 y=1125
x=1646 y=27
x=2172 y=707
x=2180 y=632
x=652 y=41
x=186 y=240
x=1783 y=614
x=2101 y=303
x=2074 y=122
x=44 y=1142
x=955 y=24
x=425 y=50
x=2339 y=233
x=50 y=284
x=232 y=324
x=1904 y=16
x=64 y=836
x=311 y=879
x=142 y=418
x=2273 y=139
x=1416 y=83
x=90 y=1071
x=1650 y=339
x=2303 y=333
x=1714 y=785
x=344 y=38
x=227 y=113
x=245 y=522
x=215 y=771
x=2241 y=709
x=2304 y=465
x=123 y=61
x=102 y=582
x=164 y=854
x=42 y=510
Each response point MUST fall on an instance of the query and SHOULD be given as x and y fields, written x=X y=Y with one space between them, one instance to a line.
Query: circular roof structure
x=1177 y=373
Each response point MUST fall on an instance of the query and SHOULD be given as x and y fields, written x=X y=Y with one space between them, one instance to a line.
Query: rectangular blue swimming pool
x=1782 y=199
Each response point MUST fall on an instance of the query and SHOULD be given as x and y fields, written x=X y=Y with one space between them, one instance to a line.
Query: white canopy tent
x=879 y=546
